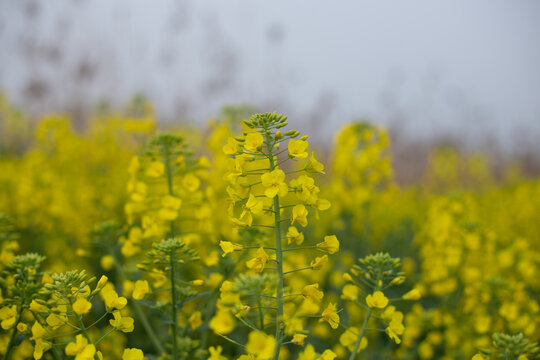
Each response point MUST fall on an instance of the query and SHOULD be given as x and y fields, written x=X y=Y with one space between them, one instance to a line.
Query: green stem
x=301 y=248
x=207 y=313
x=261 y=315
x=146 y=324
x=279 y=256
x=296 y=270
x=104 y=336
x=360 y=336
x=141 y=316
x=174 y=314
x=168 y=170
x=85 y=333
x=14 y=334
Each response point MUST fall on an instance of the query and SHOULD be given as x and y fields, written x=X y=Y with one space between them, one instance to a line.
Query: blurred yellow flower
x=261 y=345
x=377 y=300
x=330 y=316
x=298 y=148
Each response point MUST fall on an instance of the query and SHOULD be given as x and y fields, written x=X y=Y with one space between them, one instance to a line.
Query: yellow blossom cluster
x=248 y=241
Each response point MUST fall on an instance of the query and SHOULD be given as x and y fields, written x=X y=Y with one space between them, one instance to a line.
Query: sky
x=425 y=68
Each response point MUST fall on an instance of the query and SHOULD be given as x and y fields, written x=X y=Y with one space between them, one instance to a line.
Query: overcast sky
x=467 y=68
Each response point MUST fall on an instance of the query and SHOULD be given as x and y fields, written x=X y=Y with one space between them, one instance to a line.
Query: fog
x=459 y=69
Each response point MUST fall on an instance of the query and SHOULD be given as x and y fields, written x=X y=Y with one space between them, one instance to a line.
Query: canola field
x=245 y=241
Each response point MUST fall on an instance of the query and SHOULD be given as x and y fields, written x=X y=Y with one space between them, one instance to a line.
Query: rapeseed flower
x=377 y=300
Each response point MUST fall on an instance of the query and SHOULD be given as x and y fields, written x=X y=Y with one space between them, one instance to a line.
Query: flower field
x=243 y=240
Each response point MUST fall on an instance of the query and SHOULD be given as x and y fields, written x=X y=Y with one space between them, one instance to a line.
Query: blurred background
x=460 y=73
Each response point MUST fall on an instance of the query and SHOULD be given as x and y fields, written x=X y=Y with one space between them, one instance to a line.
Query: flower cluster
x=238 y=243
x=261 y=196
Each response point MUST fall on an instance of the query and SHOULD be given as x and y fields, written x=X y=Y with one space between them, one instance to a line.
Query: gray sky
x=468 y=68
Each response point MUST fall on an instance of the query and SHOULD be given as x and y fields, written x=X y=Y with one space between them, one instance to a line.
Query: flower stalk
x=14 y=333
x=279 y=254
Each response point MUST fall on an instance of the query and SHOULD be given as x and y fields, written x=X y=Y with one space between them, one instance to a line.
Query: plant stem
x=279 y=256
x=14 y=334
x=141 y=316
x=168 y=170
x=207 y=313
x=174 y=324
x=360 y=336
x=85 y=333
x=261 y=315
x=146 y=324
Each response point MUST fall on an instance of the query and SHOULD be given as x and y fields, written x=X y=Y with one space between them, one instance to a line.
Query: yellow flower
x=129 y=249
x=377 y=300
x=141 y=289
x=299 y=214
x=274 y=182
x=233 y=174
x=314 y=166
x=350 y=292
x=138 y=191
x=228 y=247
x=330 y=244
x=307 y=307
x=253 y=142
x=215 y=353
x=246 y=357
x=155 y=169
x=124 y=324
x=294 y=235
x=37 y=307
x=478 y=357
x=132 y=354
x=414 y=294
x=231 y=147
x=21 y=327
x=327 y=355
x=55 y=320
x=40 y=347
x=319 y=262
x=170 y=205
x=102 y=281
x=191 y=182
x=258 y=263
x=127 y=288
x=195 y=320
x=107 y=262
x=396 y=327
x=349 y=338
x=81 y=349
x=222 y=322
x=323 y=204
x=482 y=324
x=38 y=331
x=330 y=316
x=298 y=339
x=8 y=316
x=312 y=291
x=111 y=298
x=308 y=354
x=82 y=306
x=261 y=345
x=298 y=148
x=397 y=280
x=238 y=223
x=252 y=206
